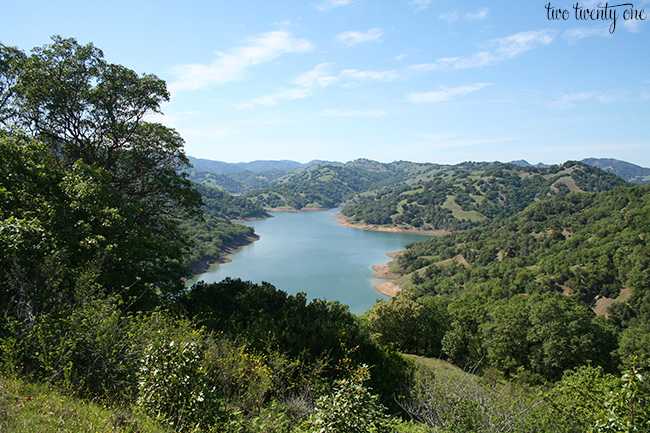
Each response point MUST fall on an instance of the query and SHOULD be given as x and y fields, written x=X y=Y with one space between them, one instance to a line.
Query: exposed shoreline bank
x=388 y=288
x=345 y=223
x=304 y=209
x=383 y=272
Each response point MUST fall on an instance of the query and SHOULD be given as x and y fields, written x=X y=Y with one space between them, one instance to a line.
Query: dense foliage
x=95 y=221
x=517 y=292
x=473 y=194
x=327 y=185
x=88 y=185
x=214 y=234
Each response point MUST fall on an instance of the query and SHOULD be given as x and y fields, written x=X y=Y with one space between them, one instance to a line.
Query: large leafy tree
x=10 y=59
x=545 y=334
x=112 y=205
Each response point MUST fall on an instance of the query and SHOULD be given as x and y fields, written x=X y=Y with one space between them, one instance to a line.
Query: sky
x=440 y=81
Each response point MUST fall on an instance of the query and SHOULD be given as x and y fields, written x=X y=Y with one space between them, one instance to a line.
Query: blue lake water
x=310 y=252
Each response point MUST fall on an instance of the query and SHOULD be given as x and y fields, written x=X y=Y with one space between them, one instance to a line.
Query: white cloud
x=306 y=84
x=331 y=4
x=479 y=15
x=422 y=4
x=282 y=95
x=234 y=64
x=569 y=100
x=499 y=50
x=512 y=46
x=450 y=17
x=454 y=16
x=353 y=38
x=574 y=34
x=355 y=113
x=633 y=26
x=445 y=94
x=171 y=119
x=356 y=76
x=317 y=77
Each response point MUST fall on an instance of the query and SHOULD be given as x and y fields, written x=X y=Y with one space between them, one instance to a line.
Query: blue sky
x=422 y=80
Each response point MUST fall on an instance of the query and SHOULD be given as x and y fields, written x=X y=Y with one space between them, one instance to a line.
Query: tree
x=412 y=325
x=122 y=175
x=628 y=407
x=10 y=60
x=545 y=334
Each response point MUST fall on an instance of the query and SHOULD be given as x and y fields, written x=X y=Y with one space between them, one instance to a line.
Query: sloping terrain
x=472 y=194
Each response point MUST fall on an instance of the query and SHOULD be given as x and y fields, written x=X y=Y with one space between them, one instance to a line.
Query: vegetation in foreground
x=98 y=334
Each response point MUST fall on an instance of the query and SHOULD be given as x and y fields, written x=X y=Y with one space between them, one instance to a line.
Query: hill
x=215 y=233
x=328 y=185
x=520 y=294
x=472 y=194
x=630 y=172
x=237 y=178
x=588 y=246
x=209 y=166
x=625 y=170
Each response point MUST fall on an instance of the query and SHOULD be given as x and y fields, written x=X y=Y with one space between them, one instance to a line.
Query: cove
x=310 y=252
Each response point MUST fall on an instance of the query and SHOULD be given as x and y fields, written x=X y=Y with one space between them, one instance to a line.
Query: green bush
x=350 y=408
x=172 y=383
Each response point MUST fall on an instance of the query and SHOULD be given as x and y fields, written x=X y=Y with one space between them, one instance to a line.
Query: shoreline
x=345 y=223
x=304 y=209
x=203 y=264
x=383 y=272
x=243 y=220
x=388 y=288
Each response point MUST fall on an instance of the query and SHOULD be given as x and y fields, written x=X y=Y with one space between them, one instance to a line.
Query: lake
x=310 y=252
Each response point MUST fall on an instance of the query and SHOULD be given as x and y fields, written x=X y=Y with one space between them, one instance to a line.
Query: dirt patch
x=383 y=272
x=602 y=303
x=569 y=182
x=388 y=288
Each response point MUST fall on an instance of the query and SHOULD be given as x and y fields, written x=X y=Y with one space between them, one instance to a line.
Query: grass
x=461 y=214
x=33 y=407
x=437 y=366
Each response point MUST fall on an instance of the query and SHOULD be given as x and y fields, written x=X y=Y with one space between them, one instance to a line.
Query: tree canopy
x=92 y=186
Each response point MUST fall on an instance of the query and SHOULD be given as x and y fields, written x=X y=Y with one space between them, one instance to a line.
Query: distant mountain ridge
x=628 y=171
x=625 y=170
x=219 y=167
x=241 y=177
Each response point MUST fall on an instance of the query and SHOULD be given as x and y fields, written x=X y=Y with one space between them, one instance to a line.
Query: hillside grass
x=461 y=214
x=36 y=407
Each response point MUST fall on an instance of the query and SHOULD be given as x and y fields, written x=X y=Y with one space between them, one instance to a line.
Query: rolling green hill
x=215 y=234
x=630 y=172
x=588 y=245
x=472 y=194
x=328 y=185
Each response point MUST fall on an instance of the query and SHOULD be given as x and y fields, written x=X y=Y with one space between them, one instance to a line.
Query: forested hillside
x=328 y=185
x=473 y=194
x=518 y=291
x=237 y=182
x=98 y=332
x=215 y=234
x=630 y=172
x=93 y=227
